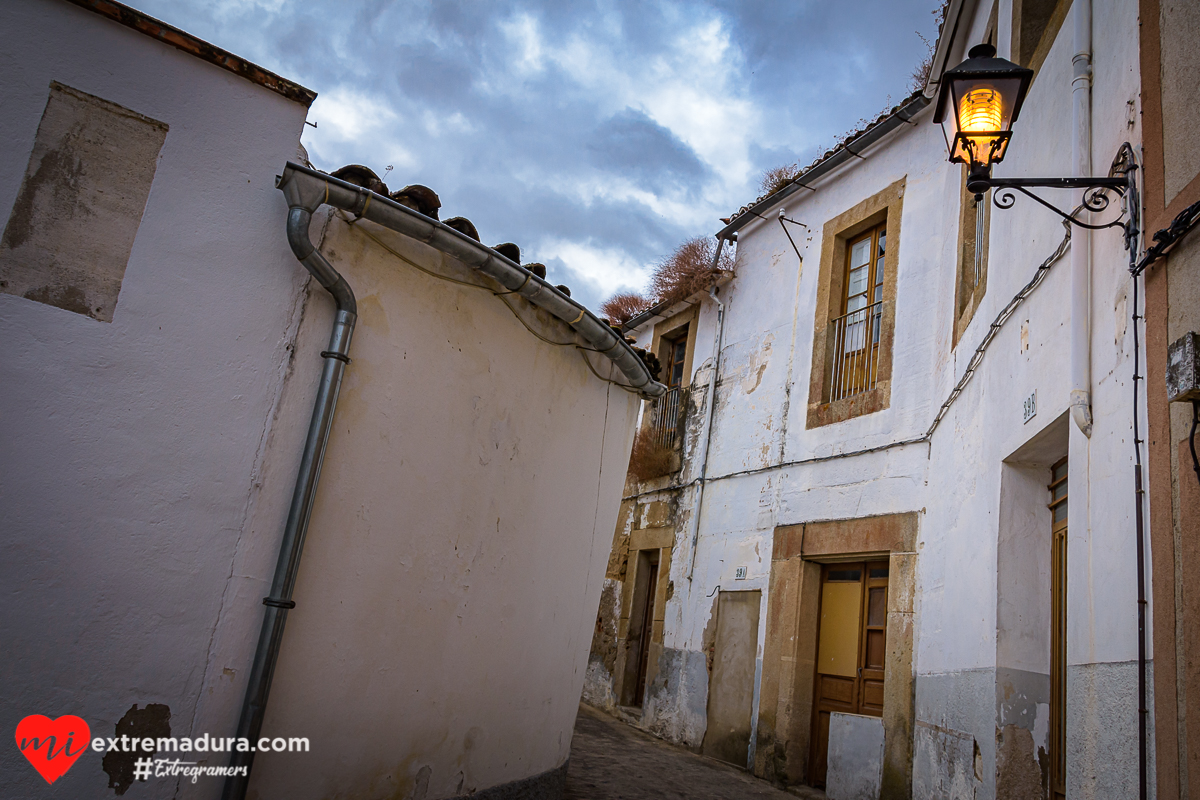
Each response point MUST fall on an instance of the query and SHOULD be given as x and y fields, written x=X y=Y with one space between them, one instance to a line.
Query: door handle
x=860 y=673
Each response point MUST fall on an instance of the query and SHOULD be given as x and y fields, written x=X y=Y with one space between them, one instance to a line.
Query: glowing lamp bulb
x=980 y=111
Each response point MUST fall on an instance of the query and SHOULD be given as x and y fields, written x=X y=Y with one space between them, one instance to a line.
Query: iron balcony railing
x=664 y=418
x=855 y=351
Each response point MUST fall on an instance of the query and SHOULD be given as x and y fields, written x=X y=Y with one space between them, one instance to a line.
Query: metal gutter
x=902 y=115
x=653 y=312
x=1081 y=249
x=843 y=153
x=314 y=188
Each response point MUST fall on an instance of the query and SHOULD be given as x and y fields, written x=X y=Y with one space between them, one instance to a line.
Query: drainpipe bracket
x=1081 y=411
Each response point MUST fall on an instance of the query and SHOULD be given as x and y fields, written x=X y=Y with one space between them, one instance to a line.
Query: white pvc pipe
x=1081 y=243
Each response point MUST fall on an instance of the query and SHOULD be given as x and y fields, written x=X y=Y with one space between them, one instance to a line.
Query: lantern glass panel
x=979 y=118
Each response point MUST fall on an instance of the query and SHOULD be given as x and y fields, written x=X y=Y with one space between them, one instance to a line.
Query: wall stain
x=154 y=722
x=57 y=173
x=68 y=298
x=757 y=366
x=72 y=226
x=1020 y=774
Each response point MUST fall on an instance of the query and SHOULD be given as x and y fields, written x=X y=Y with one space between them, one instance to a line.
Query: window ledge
x=877 y=399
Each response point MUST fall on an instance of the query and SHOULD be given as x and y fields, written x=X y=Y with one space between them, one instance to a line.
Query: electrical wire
x=618 y=384
x=439 y=276
x=1139 y=493
x=1166 y=239
x=1005 y=314
x=353 y=221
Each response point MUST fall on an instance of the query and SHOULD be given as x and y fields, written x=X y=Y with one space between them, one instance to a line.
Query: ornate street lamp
x=983 y=95
x=978 y=102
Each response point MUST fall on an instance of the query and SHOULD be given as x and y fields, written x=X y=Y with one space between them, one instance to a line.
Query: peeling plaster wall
x=447 y=598
x=969 y=689
x=598 y=683
x=134 y=449
x=954 y=738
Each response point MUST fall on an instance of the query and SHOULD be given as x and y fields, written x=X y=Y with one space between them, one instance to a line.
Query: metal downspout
x=1081 y=244
x=712 y=405
x=280 y=600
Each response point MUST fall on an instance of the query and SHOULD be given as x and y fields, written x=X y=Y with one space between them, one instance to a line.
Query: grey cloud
x=529 y=140
x=633 y=145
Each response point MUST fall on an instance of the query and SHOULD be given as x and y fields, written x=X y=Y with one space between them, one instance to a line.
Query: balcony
x=664 y=419
x=658 y=444
x=855 y=351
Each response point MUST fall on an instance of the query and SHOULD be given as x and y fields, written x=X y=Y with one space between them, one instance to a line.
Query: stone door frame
x=789 y=653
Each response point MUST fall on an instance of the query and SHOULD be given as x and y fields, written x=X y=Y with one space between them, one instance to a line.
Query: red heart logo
x=52 y=745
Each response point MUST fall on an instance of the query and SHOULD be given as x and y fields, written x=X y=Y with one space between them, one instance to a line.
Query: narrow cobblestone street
x=613 y=761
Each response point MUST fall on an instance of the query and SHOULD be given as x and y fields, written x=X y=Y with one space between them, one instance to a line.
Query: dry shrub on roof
x=776 y=178
x=648 y=458
x=624 y=306
x=688 y=270
x=920 y=74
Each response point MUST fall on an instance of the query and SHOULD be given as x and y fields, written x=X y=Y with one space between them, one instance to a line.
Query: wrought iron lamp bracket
x=1122 y=179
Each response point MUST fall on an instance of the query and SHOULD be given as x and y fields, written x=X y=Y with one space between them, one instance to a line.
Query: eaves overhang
x=193 y=45
x=305 y=187
x=851 y=149
x=668 y=308
x=948 y=35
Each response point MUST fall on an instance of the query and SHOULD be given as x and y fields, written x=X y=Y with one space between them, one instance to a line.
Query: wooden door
x=1058 y=631
x=851 y=643
x=731 y=684
x=875 y=591
x=647 y=629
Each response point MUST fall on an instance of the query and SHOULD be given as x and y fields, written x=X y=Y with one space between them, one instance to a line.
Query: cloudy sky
x=596 y=134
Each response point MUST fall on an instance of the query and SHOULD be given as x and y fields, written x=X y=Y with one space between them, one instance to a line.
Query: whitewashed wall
x=132 y=449
x=954 y=482
x=446 y=598
x=446 y=601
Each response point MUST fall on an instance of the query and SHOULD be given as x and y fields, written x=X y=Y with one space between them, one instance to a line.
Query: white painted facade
x=968 y=492
x=133 y=450
x=456 y=554
x=445 y=599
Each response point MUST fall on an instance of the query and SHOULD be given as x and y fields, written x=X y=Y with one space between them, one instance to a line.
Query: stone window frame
x=786 y=693
x=1032 y=54
x=969 y=293
x=884 y=206
x=662 y=332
